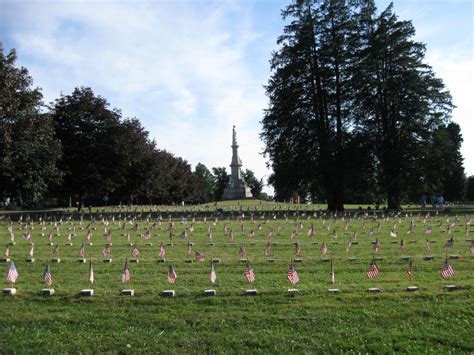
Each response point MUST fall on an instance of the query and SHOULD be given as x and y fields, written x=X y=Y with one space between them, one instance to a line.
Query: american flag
x=47 y=278
x=147 y=235
x=324 y=248
x=377 y=246
x=402 y=245
x=32 y=250
x=410 y=270
x=266 y=252
x=106 y=250
x=294 y=233
x=409 y=231
x=252 y=233
x=447 y=271
x=333 y=274
x=270 y=233
x=190 y=249
x=449 y=243
x=311 y=231
x=242 y=250
x=200 y=256
x=293 y=275
x=349 y=245
x=213 y=274
x=249 y=273
x=88 y=235
x=428 y=230
x=297 y=249
x=126 y=272
x=135 y=252
x=27 y=236
x=171 y=275
x=471 y=247
x=162 y=251
x=12 y=273
x=90 y=276
x=82 y=252
x=372 y=271
x=56 y=250
x=427 y=244
x=6 y=251
x=50 y=237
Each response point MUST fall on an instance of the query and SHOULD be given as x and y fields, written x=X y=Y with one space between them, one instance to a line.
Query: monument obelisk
x=236 y=189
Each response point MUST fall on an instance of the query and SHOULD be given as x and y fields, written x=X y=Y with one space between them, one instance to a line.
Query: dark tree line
x=355 y=114
x=81 y=151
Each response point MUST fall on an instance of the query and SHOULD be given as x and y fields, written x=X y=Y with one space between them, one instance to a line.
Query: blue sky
x=190 y=70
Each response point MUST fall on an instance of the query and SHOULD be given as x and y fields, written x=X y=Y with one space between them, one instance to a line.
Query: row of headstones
x=218 y=260
x=47 y=292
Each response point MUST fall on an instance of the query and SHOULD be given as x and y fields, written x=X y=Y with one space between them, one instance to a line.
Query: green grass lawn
x=431 y=319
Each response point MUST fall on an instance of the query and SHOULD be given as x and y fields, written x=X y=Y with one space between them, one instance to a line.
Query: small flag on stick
x=135 y=251
x=171 y=275
x=249 y=273
x=324 y=248
x=410 y=271
x=162 y=252
x=12 y=273
x=47 y=277
x=447 y=271
x=90 y=276
x=126 y=272
x=32 y=250
x=200 y=256
x=333 y=274
x=213 y=274
x=372 y=271
x=293 y=275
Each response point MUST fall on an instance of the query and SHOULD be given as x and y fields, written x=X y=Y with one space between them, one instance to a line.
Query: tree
x=470 y=188
x=310 y=100
x=93 y=161
x=443 y=170
x=209 y=180
x=400 y=102
x=222 y=180
x=255 y=185
x=29 y=152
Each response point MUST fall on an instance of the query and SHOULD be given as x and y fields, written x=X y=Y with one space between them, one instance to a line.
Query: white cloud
x=188 y=70
x=184 y=76
x=457 y=72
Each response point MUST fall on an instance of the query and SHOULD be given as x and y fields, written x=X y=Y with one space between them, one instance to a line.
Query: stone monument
x=236 y=189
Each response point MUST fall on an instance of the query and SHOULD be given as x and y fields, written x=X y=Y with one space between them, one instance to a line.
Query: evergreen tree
x=310 y=96
x=400 y=100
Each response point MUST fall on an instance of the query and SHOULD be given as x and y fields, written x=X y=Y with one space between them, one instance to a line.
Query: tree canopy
x=354 y=110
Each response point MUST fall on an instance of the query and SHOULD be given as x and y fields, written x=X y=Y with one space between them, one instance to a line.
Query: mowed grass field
x=431 y=319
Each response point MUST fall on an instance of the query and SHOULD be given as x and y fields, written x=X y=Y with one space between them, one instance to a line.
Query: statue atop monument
x=236 y=189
